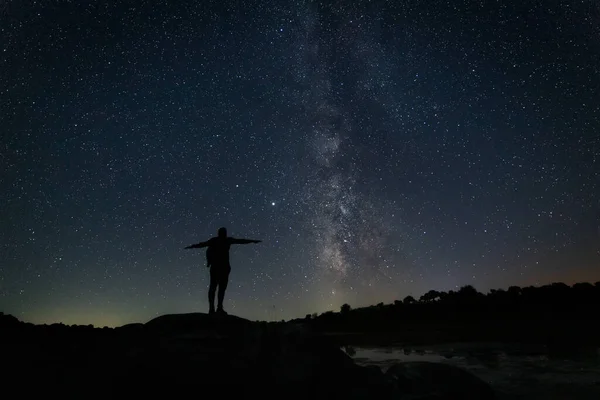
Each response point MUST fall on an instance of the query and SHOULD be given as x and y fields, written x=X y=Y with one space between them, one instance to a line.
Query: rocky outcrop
x=428 y=380
x=8 y=321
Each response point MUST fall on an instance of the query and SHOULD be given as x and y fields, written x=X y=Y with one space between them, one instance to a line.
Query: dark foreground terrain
x=515 y=371
x=196 y=355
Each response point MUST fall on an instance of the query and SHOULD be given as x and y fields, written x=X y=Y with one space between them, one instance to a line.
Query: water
x=515 y=372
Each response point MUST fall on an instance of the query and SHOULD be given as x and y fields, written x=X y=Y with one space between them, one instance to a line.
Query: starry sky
x=379 y=149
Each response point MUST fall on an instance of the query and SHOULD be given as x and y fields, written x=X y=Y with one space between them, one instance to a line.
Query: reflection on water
x=513 y=370
x=385 y=357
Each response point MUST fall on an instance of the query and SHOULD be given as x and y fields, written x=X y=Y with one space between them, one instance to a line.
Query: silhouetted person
x=217 y=258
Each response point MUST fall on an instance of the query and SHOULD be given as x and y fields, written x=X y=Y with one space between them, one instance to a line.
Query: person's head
x=223 y=232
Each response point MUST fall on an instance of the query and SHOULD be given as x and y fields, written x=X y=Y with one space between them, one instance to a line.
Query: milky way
x=348 y=229
x=378 y=150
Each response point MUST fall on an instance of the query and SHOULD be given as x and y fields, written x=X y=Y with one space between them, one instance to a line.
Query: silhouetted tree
x=583 y=287
x=559 y=286
x=529 y=294
x=467 y=291
x=409 y=300
x=514 y=291
x=583 y=292
x=345 y=309
x=431 y=296
x=442 y=295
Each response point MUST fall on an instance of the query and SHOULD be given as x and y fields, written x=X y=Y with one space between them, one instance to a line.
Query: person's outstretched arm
x=198 y=246
x=244 y=241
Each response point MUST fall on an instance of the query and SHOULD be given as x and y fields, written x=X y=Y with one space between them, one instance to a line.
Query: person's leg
x=223 y=281
x=214 y=281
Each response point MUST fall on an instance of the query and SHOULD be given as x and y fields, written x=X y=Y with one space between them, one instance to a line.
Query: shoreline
x=442 y=338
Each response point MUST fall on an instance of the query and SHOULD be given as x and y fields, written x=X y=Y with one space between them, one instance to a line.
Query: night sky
x=378 y=149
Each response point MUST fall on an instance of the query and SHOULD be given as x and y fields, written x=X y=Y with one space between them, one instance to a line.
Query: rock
x=429 y=381
x=291 y=359
x=8 y=321
x=194 y=322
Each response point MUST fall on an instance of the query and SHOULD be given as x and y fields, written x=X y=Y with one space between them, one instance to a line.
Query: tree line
x=557 y=309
